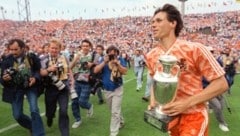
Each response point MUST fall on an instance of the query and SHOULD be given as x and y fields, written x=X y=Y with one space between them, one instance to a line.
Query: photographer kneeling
x=112 y=67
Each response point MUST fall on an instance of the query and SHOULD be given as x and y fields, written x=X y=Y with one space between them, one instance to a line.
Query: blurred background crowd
x=217 y=30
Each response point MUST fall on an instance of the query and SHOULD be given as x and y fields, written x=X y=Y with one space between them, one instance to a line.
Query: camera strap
x=62 y=59
x=22 y=64
x=115 y=73
x=23 y=68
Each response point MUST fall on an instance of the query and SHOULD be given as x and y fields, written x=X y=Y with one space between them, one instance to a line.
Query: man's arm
x=99 y=67
x=73 y=63
x=122 y=69
x=102 y=63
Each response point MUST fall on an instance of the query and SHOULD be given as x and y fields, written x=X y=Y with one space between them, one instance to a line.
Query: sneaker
x=137 y=89
x=90 y=111
x=223 y=127
x=210 y=110
x=30 y=133
x=76 y=124
x=145 y=99
x=121 y=125
x=100 y=102
x=49 y=122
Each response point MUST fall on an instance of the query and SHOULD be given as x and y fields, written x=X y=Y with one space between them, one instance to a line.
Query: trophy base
x=160 y=123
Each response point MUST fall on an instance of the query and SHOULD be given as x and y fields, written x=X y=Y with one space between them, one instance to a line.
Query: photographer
x=96 y=78
x=228 y=64
x=113 y=68
x=19 y=77
x=81 y=65
x=139 y=64
x=56 y=72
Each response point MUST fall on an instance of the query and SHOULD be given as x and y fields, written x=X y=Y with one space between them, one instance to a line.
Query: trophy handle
x=178 y=69
x=176 y=75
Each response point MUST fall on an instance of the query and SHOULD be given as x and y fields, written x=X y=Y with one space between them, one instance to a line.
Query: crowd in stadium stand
x=219 y=30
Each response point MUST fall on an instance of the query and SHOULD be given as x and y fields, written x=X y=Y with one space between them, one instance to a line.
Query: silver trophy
x=165 y=84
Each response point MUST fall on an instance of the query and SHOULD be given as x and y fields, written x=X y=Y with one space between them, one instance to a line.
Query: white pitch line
x=42 y=114
x=13 y=125
x=9 y=127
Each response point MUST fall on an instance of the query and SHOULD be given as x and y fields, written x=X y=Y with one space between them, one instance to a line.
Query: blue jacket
x=9 y=88
x=106 y=74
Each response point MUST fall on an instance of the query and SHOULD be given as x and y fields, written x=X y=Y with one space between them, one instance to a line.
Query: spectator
x=139 y=64
x=148 y=88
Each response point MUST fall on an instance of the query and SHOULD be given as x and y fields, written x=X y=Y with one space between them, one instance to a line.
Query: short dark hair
x=112 y=47
x=20 y=43
x=100 y=46
x=87 y=41
x=173 y=14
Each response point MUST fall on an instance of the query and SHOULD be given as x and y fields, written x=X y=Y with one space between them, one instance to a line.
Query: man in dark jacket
x=19 y=77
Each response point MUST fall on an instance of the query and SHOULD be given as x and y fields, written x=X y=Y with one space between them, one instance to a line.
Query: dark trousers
x=52 y=97
x=99 y=94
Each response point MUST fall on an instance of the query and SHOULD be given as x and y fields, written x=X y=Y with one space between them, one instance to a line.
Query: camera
x=117 y=79
x=11 y=71
x=142 y=63
x=111 y=57
x=25 y=81
x=59 y=66
x=96 y=85
x=73 y=93
x=20 y=78
x=84 y=65
x=58 y=83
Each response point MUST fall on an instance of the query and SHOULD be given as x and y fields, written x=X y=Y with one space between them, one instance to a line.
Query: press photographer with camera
x=226 y=60
x=57 y=79
x=96 y=78
x=20 y=76
x=80 y=66
x=112 y=68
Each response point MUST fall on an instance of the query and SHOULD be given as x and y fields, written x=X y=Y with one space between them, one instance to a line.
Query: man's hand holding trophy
x=164 y=91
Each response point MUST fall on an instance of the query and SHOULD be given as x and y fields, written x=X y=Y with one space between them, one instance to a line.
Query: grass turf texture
x=132 y=108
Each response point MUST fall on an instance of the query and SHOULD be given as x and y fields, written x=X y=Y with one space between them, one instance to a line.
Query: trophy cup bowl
x=165 y=84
